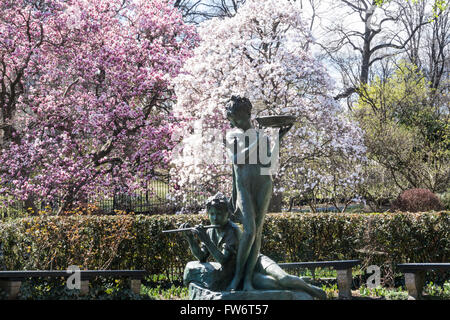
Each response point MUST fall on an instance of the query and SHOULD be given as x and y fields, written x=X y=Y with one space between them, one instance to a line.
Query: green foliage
x=430 y=291
x=172 y=293
x=307 y=237
x=445 y=199
x=331 y=291
x=438 y=5
x=435 y=290
x=378 y=188
x=96 y=242
x=380 y=239
x=388 y=294
x=406 y=133
x=56 y=289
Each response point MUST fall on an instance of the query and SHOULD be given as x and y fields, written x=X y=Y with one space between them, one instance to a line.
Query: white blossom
x=262 y=53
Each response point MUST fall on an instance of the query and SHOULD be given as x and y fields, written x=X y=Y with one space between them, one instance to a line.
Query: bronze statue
x=237 y=260
x=252 y=190
x=222 y=244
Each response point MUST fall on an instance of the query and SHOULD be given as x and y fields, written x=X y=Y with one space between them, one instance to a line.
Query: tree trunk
x=30 y=207
x=275 y=202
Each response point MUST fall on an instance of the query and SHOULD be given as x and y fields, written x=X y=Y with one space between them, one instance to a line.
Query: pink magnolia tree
x=263 y=53
x=84 y=94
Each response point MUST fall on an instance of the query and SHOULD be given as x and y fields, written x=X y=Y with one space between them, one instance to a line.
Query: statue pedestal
x=198 y=293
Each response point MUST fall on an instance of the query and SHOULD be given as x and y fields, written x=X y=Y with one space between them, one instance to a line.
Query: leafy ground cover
x=160 y=287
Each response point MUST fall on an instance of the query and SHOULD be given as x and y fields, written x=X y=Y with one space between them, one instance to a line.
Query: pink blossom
x=89 y=79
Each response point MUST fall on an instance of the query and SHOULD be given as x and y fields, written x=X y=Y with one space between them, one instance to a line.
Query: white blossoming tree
x=262 y=53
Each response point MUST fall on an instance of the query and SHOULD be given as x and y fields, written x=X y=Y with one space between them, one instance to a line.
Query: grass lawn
x=431 y=292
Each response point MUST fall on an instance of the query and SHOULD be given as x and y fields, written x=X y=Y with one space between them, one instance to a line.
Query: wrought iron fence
x=154 y=200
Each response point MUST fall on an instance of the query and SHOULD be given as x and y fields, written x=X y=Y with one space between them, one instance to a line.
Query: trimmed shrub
x=417 y=200
x=137 y=241
x=96 y=242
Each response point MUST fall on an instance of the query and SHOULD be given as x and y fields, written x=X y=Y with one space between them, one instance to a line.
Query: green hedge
x=383 y=239
x=136 y=241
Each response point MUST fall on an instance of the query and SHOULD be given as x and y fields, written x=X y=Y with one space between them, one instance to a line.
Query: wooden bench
x=10 y=281
x=415 y=276
x=344 y=272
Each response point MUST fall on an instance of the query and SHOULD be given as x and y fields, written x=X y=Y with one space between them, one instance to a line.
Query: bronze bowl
x=276 y=121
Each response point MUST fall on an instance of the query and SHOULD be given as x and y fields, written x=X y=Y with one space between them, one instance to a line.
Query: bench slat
x=85 y=274
x=338 y=264
x=423 y=266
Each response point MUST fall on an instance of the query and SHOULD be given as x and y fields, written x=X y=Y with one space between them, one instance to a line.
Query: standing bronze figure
x=252 y=190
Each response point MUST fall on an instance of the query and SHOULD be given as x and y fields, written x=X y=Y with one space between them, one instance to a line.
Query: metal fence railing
x=154 y=200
